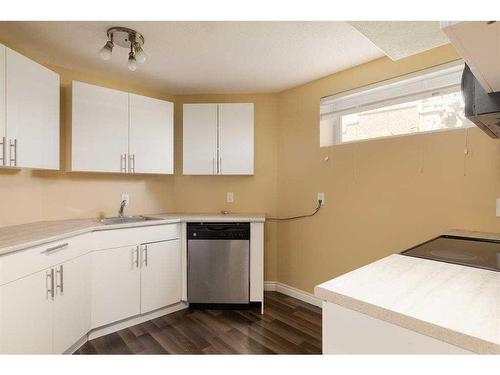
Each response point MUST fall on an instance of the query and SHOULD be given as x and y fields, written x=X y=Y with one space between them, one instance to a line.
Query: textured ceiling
x=201 y=57
x=400 y=39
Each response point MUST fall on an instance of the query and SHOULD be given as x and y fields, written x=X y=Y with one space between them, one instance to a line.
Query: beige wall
x=381 y=196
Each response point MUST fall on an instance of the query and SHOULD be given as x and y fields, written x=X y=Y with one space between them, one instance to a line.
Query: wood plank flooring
x=288 y=326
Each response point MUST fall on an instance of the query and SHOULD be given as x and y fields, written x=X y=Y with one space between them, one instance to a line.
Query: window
x=423 y=102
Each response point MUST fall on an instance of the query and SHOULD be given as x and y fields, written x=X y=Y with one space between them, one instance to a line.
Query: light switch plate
x=321 y=197
x=126 y=198
x=230 y=197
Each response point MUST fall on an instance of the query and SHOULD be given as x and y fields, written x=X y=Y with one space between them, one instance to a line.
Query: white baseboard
x=276 y=286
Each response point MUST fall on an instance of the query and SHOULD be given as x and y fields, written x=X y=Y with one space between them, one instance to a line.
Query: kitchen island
x=407 y=305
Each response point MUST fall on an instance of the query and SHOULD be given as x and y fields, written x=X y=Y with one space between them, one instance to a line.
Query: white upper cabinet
x=99 y=129
x=478 y=42
x=236 y=138
x=114 y=131
x=151 y=135
x=218 y=139
x=29 y=129
x=199 y=135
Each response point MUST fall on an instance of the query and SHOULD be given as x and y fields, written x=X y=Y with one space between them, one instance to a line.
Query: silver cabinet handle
x=49 y=279
x=213 y=165
x=3 y=144
x=220 y=165
x=13 y=145
x=60 y=272
x=131 y=163
x=146 y=255
x=53 y=249
x=136 y=252
x=123 y=163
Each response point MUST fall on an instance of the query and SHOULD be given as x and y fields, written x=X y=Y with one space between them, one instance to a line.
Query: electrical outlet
x=321 y=197
x=230 y=197
x=125 y=198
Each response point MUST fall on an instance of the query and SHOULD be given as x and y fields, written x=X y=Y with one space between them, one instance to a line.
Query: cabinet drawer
x=108 y=239
x=25 y=262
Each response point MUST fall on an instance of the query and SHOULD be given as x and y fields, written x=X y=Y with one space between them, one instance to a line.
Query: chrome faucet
x=122 y=207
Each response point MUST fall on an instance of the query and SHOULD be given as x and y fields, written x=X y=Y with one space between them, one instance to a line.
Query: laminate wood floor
x=288 y=326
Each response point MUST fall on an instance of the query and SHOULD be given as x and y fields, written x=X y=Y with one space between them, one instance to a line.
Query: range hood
x=481 y=108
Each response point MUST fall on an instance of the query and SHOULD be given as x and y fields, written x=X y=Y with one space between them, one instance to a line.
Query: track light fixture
x=126 y=38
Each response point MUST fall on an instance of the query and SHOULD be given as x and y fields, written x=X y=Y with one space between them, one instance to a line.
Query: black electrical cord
x=320 y=203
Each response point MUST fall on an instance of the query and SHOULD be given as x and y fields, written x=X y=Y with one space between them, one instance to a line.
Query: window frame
x=380 y=92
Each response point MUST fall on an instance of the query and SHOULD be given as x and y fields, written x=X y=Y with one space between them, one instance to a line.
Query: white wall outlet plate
x=321 y=197
x=230 y=197
x=125 y=198
x=498 y=207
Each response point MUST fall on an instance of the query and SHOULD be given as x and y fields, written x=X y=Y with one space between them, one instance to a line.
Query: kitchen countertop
x=456 y=304
x=19 y=237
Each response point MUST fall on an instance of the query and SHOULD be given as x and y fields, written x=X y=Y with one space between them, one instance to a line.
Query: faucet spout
x=122 y=207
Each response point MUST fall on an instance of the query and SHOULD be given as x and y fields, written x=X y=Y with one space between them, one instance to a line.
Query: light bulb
x=105 y=51
x=132 y=63
x=140 y=55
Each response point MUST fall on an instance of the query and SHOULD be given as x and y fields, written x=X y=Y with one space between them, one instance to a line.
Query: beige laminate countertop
x=456 y=304
x=19 y=237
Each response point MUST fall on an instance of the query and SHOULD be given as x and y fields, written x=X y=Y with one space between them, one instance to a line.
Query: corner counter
x=406 y=305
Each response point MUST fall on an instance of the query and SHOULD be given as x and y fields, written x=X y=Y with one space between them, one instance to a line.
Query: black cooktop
x=466 y=251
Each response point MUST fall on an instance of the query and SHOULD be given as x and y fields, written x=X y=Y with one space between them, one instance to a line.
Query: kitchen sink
x=126 y=219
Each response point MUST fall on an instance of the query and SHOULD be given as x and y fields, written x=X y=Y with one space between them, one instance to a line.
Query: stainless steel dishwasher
x=218 y=263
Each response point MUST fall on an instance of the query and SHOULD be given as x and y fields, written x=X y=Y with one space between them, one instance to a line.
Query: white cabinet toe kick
x=55 y=297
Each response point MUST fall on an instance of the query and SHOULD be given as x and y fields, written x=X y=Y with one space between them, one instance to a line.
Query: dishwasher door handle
x=217 y=229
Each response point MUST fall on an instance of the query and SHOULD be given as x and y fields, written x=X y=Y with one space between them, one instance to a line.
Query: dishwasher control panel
x=218 y=231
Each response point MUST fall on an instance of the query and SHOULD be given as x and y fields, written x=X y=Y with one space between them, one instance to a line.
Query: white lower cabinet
x=53 y=296
x=46 y=312
x=72 y=302
x=160 y=275
x=128 y=281
x=346 y=331
x=26 y=315
x=116 y=285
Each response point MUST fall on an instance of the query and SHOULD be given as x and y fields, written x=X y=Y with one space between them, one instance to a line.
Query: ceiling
x=400 y=39
x=201 y=57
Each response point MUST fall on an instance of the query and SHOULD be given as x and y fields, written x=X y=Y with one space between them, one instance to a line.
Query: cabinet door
x=2 y=106
x=199 y=139
x=32 y=103
x=72 y=302
x=99 y=128
x=160 y=275
x=115 y=285
x=26 y=315
x=151 y=135
x=236 y=138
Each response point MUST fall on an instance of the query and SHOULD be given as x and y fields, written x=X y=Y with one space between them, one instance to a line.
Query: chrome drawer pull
x=50 y=250
x=137 y=255
x=123 y=163
x=146 y=255
x=13 y=145
x=61 y=279
x=50 y=278
x=3 y=145
x=131 y=163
